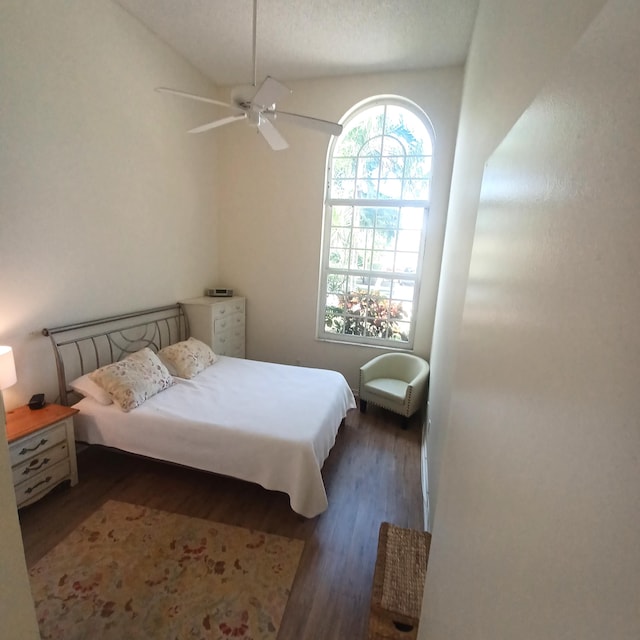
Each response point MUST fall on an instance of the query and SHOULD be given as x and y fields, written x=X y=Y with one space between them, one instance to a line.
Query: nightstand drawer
x=31 y=489
x=40 y=462
x=26 y=448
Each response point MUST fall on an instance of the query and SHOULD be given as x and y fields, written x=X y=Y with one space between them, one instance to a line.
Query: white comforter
x=266 y=423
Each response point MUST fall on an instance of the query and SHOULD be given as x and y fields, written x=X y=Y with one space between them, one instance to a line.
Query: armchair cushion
x=388 y=388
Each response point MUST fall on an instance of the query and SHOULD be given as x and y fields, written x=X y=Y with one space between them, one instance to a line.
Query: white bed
x=261 y=422
x=266 y=423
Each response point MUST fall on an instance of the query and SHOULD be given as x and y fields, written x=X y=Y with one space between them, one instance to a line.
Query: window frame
x=328 y=227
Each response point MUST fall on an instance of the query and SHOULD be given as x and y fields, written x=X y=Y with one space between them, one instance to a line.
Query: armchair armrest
x=420 y=379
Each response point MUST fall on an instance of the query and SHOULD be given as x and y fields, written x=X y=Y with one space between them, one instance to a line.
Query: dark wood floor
x=372 y=475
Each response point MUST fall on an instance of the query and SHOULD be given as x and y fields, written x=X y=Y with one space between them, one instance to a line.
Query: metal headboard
x=85 y=346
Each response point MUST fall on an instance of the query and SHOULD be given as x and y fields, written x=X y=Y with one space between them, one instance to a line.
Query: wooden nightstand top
x=23 y=421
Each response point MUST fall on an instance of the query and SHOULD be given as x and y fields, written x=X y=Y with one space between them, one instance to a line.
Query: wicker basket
x=398 y=583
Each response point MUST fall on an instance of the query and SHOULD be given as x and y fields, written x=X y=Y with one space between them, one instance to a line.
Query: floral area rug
x=133 y=572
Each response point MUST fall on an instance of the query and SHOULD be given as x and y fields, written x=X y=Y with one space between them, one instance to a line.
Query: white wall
x=516 y=45
x=107 y=204
x=536 y=530
x=272 y=207
x=16 y=604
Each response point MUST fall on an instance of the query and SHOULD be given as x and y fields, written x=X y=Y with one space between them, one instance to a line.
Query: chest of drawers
x=42 y=450
x=218 y=322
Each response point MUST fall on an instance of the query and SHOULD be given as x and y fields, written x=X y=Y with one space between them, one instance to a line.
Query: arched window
x=376 y=206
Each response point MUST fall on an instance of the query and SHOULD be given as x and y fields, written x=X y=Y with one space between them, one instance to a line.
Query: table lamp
x=7 y=373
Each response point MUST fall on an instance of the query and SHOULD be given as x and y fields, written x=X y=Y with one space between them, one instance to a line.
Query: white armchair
x=394 y=381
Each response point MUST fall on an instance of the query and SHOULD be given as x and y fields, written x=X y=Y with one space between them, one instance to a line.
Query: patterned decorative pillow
x=133 y=380
x=188 y=358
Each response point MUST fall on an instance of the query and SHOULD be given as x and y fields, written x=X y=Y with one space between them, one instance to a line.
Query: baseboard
x=425 y=474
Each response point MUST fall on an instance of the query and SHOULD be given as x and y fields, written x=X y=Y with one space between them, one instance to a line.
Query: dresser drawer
x=229 y=343
x=26 y=448
x=235 y=320
x=222 y=309
x=236 y=349
x=30 y=490
x=40 y=462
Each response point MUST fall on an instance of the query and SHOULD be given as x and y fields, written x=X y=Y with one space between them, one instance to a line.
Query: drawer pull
x=37 y=484
x=31 y=468
x=29 y=449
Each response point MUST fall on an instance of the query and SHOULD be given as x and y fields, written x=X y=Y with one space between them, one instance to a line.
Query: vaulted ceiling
x=305 y=39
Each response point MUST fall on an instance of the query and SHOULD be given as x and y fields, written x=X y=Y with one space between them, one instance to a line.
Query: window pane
x=336 y=283
x=411 y=218
x=408 y=240
x=360 y=260
x=392 y=167
x=381 y=239
x=402 y=290
x=341 y=216
x=362 y=238
x=387 y=217
x=339 y=259
x=418 y=167
x=340 y=238
x=400 y=331
x=366 y=189
x=383 y=261
x=365 y=216
x=390 y=189
x=344 y=168
x=368 y=167
x=416 y=190
x=343 y=189
x=385 y=239
x=406 y=263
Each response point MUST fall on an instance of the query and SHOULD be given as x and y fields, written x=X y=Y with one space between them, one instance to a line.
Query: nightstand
x=42 y=449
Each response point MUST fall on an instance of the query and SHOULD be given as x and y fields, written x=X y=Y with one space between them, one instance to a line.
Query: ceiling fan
x=257 y=105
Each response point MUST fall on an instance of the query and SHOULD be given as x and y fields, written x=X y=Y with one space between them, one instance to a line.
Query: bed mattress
x=266 y=423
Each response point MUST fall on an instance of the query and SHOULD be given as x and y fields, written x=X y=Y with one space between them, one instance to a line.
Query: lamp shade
x=7 y=368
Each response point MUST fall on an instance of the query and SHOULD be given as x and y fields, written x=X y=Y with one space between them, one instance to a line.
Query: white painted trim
x=425 y=472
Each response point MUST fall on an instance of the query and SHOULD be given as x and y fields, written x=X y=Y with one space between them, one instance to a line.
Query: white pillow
x=85 y=386
x=188 y=358
x=133 y=380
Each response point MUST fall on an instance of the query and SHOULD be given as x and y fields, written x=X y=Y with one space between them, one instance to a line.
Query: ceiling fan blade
x=217 y=123
x=271 y=135
x=324 y=126
x=270 y=91
x=184 y=94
